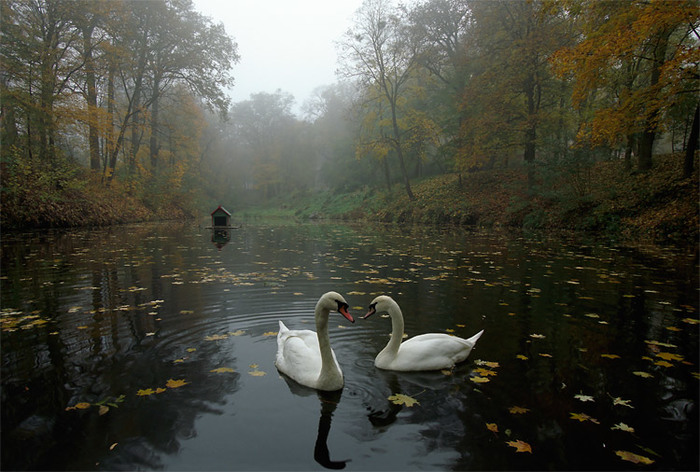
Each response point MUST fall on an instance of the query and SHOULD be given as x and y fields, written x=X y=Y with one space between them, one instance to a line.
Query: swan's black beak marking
x=372 y=311
x=343 y=310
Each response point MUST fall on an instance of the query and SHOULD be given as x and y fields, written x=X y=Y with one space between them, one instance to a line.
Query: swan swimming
x=306 y=356
x=431 y=351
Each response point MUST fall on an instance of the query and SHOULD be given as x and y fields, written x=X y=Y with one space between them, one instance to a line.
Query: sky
x=283 y=44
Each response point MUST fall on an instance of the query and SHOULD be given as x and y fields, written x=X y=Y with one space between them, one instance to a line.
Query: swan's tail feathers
x=474 y=338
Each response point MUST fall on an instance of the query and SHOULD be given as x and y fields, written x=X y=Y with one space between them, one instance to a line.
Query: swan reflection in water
x=329 y=402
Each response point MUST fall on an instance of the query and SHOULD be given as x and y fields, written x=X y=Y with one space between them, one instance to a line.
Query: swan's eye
x=373 y=306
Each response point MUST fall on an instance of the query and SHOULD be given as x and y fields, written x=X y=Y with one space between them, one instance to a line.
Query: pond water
x=152 y=347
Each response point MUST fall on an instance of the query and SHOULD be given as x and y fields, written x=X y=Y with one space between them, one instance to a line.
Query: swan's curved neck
x=328 y=365
x=392 y=347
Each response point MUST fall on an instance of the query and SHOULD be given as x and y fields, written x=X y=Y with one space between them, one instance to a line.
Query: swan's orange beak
x=372 y=311
x=343 y=310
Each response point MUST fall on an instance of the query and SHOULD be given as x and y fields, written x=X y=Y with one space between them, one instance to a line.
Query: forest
x=531 y=113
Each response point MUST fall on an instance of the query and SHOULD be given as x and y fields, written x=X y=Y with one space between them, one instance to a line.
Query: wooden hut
x=220 y=218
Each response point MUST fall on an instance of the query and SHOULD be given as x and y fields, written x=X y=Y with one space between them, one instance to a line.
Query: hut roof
x=221 y=209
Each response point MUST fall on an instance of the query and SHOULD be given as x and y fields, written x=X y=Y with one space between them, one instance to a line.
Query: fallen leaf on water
x=520 y=446
x=690 y=321
x=446 y=372
x=492 y=427
x=610 y=356
x=221 y=370
x=544 y=354
x=401 y=399
x=111 y=448
x=620 y=401
x=257 y=373
x=145 y=392
x=484 y=372
x=644 y=375
x=270 y=333
x=479 y=379
x=521 y=357
x=491 y=364
x=103 y=410
x=161 y=390
x=537 y=336
x=82 y=406
x=673 y=328
x=216 y=337
x=584 y=398
x=583 y=417
x=623 y=427
x=634 y=458
x=175 y=383
x=663 y=363
x=659 y=343
x=237 y=333
x=191 y=349
x=669 y=356
x=518 y=410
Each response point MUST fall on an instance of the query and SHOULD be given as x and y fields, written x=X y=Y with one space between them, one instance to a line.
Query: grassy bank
x=603 y=199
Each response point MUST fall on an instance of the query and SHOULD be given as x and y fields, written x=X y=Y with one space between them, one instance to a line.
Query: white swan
x=306 y=356
x=432 y=351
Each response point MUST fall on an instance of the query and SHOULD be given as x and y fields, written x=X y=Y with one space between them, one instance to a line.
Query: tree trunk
x=153 y=143
x=399 y=152
x=646 y=143
x=692 y=145
x=93 y=136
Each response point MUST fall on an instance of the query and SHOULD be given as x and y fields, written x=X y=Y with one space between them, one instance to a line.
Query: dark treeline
x=130 y=96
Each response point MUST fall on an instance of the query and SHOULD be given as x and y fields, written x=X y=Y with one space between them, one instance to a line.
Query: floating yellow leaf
x=537 y=336
x=623 y=427
x=145 y=392
x=216 y=337
x=111 y=448
x=446 y=372
x=669 y=356
x=584 y=398
x=491 y=364
x=520 y=446
x=620 y=401
x=160 y=390
x=673 y=328
x=690 y=321
x=401 y=399
x=492 y=427
x=663 y=363
x=103 y=410
x=518 y=410
x=478 y=379
x=610 y=356
x=544 y=354
x=237 y=333
x=221 y=370
x=583 y=417
x=82 y=406
x=521 y=357
x=175 y=383
x=270 y=333
x=484 y=372
x=257 y=373
x=644 y=375
x=634 y=458
x=191 y=349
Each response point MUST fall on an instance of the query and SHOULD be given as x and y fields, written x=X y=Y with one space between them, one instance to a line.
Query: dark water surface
x=149 y=347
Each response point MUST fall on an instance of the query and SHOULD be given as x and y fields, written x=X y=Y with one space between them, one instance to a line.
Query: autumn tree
x=655 y=45
x=512 y=94
x=378 y=52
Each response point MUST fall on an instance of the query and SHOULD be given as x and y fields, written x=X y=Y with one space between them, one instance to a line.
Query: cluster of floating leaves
x=486 y=370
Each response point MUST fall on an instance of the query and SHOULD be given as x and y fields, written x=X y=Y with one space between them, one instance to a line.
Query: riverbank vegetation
x=531 y=114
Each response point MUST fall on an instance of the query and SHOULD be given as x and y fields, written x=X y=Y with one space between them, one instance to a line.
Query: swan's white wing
x=432 y=351
x=298 y=355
